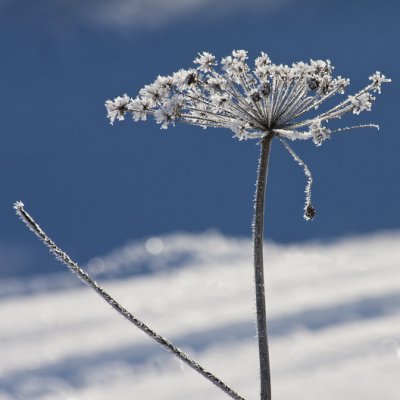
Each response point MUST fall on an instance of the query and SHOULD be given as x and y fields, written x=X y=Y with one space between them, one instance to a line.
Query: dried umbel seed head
x=270 y=99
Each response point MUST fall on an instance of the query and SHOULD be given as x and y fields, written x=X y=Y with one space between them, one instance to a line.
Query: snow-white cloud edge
x=333 y=309
x=154 y=14
x=130 y=15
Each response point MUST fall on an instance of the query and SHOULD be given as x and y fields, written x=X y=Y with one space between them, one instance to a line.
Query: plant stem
x=258 y=233
x=75 y=268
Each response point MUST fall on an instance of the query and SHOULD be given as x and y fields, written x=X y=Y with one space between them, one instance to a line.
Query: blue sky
x=94 y=187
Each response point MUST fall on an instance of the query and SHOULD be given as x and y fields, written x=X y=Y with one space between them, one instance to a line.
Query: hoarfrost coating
x=252 y=103
x=268 y=100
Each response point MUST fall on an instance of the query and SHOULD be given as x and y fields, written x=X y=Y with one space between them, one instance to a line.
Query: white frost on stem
x=309 y=210
x=76 y=269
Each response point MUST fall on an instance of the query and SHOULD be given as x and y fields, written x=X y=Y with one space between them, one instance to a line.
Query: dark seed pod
x=191 y=79
x=123 y=109
x=313 y=84
x=309 y=212
x=255 y=96
x=265 y=89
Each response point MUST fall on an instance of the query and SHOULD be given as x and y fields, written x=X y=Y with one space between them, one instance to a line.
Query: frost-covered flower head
x=268 y=99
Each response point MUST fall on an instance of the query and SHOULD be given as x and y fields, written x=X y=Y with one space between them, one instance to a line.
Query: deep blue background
x=94 y=187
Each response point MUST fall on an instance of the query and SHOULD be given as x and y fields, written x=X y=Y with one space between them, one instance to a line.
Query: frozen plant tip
x=266 y=100
x=76 y=269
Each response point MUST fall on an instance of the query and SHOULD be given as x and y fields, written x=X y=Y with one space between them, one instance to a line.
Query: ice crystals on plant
x=117 y=108
x=319 y=133
x=277 y=100
x=362 y=102
x=206 y=61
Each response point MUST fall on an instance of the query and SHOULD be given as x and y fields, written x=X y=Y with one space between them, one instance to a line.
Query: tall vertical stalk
x=258 y=234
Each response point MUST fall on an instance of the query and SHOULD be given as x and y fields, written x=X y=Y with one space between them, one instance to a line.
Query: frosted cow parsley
x=268 y=100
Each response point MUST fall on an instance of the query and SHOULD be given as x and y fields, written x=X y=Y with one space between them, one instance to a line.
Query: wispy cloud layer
x=333 y=309
x=156 y=13
x=137 y=14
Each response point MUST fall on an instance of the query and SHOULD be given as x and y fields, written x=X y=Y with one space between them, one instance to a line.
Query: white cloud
x=156 y=13
x=334 y=314
x=135 y=14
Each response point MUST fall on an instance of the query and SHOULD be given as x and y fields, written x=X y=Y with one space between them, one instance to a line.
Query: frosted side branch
x=74 y=267
x=309 y=210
